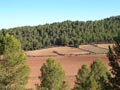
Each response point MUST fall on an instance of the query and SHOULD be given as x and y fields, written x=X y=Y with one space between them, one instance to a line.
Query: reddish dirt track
x=70 y=64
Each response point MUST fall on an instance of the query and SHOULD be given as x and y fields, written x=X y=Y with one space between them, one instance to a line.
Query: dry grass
x=104 y=45
x=51 y=51
x=96 y=48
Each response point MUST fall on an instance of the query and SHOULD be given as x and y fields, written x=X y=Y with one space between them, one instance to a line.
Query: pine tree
x=114 y=61
x=52 y=76
x=101 y=75
x=94 y=77
x=13 y=69
x=81 y=78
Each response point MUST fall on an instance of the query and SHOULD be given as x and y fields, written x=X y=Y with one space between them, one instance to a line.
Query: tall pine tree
x=114 y=59
x=13 y=69
x=94 y=77
x=52 y=76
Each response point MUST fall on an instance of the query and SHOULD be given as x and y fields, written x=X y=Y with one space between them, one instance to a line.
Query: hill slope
x=67 y=33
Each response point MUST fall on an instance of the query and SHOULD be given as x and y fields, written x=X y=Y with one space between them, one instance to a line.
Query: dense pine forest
x=67 y=33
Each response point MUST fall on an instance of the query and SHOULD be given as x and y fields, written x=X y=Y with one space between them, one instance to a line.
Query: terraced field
x=70 y=58
x=56 y=51
x=96 y=48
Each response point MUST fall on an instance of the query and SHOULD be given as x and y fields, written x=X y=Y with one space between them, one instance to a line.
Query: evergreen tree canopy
x=52 y=76
x=13 y=69
x=95 y=77
x=70 y=33
x=114 y=59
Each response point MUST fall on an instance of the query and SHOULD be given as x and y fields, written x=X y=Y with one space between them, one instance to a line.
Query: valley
x=70 y=58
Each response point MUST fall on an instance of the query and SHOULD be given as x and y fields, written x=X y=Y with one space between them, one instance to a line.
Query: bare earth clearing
x=70 y=63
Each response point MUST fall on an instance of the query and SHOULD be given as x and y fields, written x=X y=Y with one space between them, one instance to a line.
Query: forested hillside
x=70 y=33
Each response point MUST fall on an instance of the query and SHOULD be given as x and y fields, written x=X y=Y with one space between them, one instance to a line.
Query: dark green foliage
x=114 y=59
x=52 y=76
x=81 y=77
x=101 y=75
x=94 y=77
x=13 y=69
x=66 y=33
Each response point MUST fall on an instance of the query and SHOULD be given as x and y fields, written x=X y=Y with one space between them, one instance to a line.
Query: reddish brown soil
x=105 y=45
x=51 y=51
x=70 y=64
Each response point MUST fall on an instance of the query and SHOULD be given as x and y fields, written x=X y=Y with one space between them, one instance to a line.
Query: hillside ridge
x=67 y=33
